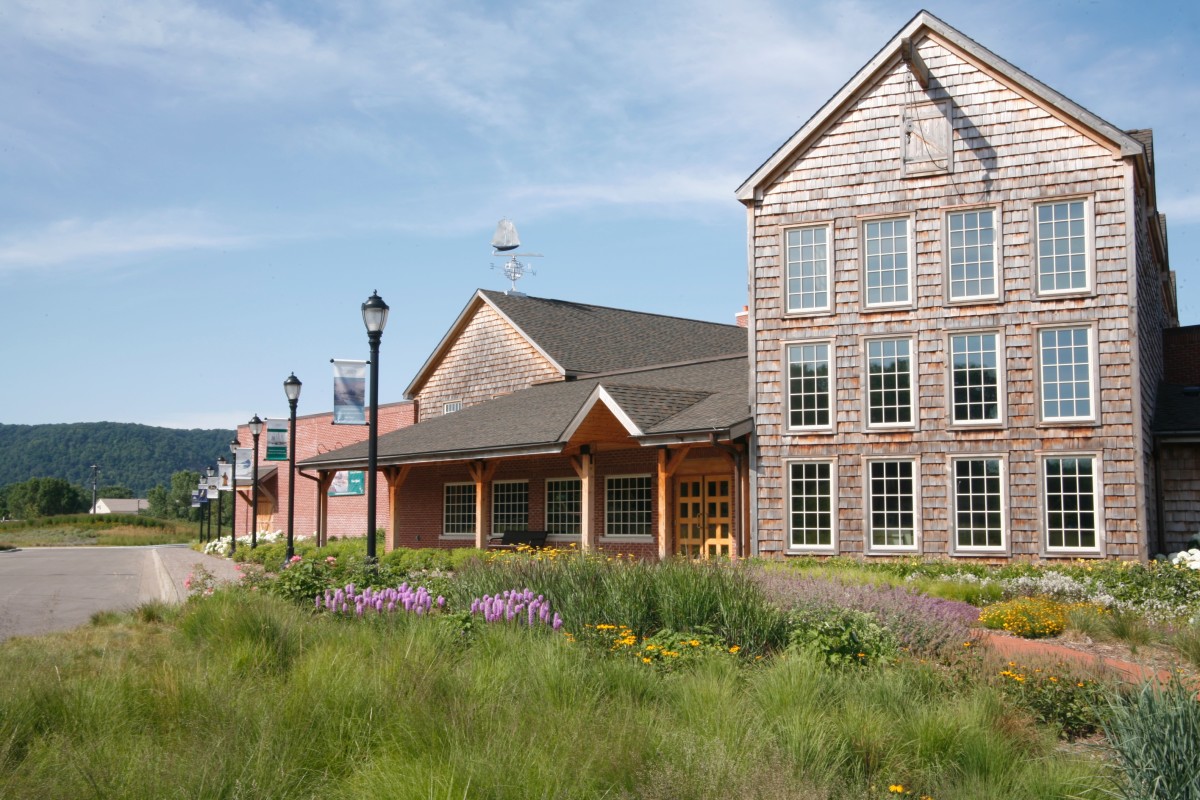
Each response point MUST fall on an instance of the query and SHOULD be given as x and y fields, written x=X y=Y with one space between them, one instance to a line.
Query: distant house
x=959 y=287
x=604 y=428
x=110 y=505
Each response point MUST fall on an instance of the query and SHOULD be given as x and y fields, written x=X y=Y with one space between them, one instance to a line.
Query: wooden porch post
x=324 y=481
x=481 y=473
x=585 y=468
x=395 y=477
x=668 y=465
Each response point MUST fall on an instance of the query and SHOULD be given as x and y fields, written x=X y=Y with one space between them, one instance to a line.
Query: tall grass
x=244 y=695
x=1156 y=734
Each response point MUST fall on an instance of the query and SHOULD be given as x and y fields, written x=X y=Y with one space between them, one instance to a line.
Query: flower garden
x=447 y=674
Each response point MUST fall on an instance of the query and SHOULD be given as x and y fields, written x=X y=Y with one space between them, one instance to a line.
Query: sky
x=196 y=197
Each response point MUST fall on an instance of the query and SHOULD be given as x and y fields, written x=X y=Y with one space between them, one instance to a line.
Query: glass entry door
x=703 y=524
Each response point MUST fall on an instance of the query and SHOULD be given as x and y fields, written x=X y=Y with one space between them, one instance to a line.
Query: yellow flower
x=735 y=649
x=896 y=788
x=645 y=660
x=694 y=642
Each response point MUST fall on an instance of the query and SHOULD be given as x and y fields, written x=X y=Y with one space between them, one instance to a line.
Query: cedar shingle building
x=959 y=284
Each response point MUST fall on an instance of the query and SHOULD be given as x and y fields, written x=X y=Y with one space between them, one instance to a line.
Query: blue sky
x=198 y=196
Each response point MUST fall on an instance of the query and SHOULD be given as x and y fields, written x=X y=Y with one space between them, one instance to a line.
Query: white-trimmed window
x=1066 y=363
x=1071 y=501
x=1063 y=233
x=971 y=255
x=627 y=505
x=563 y=506
x=978 y=503
x=890 y=383
x=975 y=397
x=810 y=390
x=892 y=504
x=808 y=288
x=510 y=506
x=887 y=275
x=451 y=407
x=811 y=505
x=458 y=509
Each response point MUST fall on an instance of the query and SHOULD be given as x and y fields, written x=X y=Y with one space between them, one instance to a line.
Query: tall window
x=563 y=506
x=1066 y=363
x=810 y=489
x=627 y=506
x=889 y=382
x=458 y=509
x=1071 y=503
x=510 y=506
x=808 y=269
x=886 y=262
x=809 y=385
x=974 y=364
x=972 y=252
x=1062 y=247
x=892 y=495
x=978 y=503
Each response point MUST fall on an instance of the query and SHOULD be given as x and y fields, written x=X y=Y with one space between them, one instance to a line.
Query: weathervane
x=505 y=240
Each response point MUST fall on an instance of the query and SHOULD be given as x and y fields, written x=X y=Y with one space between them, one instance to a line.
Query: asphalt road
x=48 y=589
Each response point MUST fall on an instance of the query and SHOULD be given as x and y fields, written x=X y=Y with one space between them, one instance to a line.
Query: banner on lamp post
x=225 y=477
x=196 y=499
x=277 y=439
x=211 y=487
x=349 y=392
x=244 y=463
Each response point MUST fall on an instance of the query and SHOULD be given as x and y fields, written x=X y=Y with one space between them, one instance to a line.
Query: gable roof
x=683 y=402
x=922 y=25
x=581 y=339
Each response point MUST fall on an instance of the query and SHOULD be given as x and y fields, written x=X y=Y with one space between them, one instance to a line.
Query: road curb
x=166 y=584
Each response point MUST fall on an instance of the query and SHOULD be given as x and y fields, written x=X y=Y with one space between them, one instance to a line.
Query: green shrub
x=1156 y=735
x=844 y=638
x=1029 y=617
x=1056 y=696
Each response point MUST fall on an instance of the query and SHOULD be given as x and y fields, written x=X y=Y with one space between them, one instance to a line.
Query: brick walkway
x=1017 y=648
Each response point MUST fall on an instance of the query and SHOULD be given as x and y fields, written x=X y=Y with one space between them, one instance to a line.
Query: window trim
x=788 y=311
x=911 y=302
x=561 y=537
x=834 y=542
x=1005 y=547
x=1093 y=374
x=474 y=506
x=511 y=481
x=914 y=383
x=448 y=409
x=1089 y=243
x=829 y=427
x=1100 y=550
x=997 y=255
x=608 y=536
x=869 y=545
x=1001 y=420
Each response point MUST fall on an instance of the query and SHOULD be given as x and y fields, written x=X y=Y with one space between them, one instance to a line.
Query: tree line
x=48 y=497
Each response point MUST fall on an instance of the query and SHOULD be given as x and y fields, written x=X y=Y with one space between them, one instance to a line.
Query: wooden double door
x=704 y=522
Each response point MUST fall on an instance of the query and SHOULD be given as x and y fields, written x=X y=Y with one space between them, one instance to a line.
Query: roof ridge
x=493 y=292
x=589 y=376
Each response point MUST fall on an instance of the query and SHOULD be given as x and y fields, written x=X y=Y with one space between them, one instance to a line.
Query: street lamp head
x=375 y=313
x=256 y=425
x=233 y=446
x=221 y=460
x=291 y=387
x=210 y=471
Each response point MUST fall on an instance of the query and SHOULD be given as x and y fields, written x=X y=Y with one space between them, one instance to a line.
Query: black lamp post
x=220 y=463
x=375 y=313
x=95 y=472
x=256 y=426
x=291 y=388
x=210 y=472
x=233 y=448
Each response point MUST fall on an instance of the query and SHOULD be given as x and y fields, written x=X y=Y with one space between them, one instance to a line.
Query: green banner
x=277 y=439
x=347 y=483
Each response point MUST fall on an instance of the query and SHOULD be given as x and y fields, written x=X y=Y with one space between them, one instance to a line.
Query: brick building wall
x=314 y=435
x=1183 y=362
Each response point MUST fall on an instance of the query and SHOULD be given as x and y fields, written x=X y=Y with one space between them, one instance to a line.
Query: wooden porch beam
x=481 y=472
x=585 y=467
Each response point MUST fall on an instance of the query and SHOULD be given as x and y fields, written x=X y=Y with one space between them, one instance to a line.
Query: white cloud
x=79 y=241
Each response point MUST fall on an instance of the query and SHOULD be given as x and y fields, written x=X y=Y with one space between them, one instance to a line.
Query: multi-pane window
x=808 y=269
x=452 y=406
x=978 y=503
x=972 y=252
x=1066 y=362
x=1069 y=493
x=563 y=506
x=510 y=506
x=975 y=384
x=889 y=382
x=1062 y=248
x=809 y=385
x=892 y=502
x=811 y=509
x=627 y=506
x=885 y=265
x=458 y=509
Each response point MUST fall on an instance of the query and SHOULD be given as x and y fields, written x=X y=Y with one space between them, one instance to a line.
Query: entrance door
x=704 y=520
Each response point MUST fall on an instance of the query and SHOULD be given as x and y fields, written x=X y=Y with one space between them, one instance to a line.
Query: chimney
x=742 y=318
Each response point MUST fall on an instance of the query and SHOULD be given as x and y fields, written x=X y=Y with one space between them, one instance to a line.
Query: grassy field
x=83 y=529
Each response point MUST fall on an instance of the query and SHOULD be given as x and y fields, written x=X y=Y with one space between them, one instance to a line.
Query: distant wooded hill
x=136 y=456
